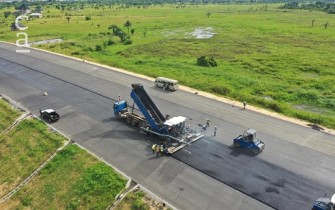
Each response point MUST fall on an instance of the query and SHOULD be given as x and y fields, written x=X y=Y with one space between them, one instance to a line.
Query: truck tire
x=128 y=120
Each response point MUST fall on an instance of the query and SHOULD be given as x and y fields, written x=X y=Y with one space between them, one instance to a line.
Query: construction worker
x=207 y=122
x=162 y=149
x=215 y=129
x=203 y=128
x=153 y=148
x=157 y=150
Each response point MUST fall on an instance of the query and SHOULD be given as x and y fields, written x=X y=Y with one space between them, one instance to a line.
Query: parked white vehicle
x=166 y=83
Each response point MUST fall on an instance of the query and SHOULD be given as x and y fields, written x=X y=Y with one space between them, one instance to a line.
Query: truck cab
x=324 y=203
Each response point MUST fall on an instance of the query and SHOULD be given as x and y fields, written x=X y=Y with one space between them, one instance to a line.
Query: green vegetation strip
x=74 y=179
x=138 y=200
x=7 y=115
x=23 y=149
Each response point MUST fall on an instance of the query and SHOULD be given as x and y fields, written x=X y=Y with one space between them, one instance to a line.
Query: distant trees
x=23 y=8
x=38 y=8
x=328 y=7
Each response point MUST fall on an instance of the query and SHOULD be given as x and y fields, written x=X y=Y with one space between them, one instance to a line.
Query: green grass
x=23 y=149
x=74 y=179
x=269 y=57
x=7 y=115
x=138 y=200
x=133 y=201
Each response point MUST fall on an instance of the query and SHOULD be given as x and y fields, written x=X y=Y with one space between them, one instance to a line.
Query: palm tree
x=127 y=24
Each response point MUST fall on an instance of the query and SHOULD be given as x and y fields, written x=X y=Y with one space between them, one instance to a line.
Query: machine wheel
x=133 y=122
x=128 y=120
x=236 y=144
x=256 y=151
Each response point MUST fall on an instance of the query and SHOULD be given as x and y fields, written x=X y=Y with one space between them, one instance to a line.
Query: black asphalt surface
x=296 y=167
x=241 y=169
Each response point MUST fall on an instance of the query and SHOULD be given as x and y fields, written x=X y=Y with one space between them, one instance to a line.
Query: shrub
x=98 y=48
x=110 y=42
x=88 y=18
x=220 y=90
x=127 y=41
x=206 y=62
x=75 y=53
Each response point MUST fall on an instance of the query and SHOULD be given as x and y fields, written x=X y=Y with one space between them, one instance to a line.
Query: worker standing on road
x=153 y=148
x=244 y=104
x=215 y=129
x=157 y=150
x=203 y=128
x=162 y=149
x=207 y=122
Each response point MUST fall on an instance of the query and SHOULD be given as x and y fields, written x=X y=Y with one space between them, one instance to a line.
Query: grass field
x=23 y=149
x=266 y=56
x=138 y=200
x=7 y=115
x=74 y=179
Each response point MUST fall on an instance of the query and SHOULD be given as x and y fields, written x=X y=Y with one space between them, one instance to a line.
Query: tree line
x=328 y=7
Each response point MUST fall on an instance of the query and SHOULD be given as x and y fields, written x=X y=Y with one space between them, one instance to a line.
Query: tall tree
x=38 y=8
x=127 y=24
x=23 y=7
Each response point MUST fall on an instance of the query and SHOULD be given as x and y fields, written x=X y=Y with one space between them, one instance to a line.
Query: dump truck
x=150 y=120
x=324 y=203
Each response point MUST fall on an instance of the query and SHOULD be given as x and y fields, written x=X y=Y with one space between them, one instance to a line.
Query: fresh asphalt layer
x=296 y=167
